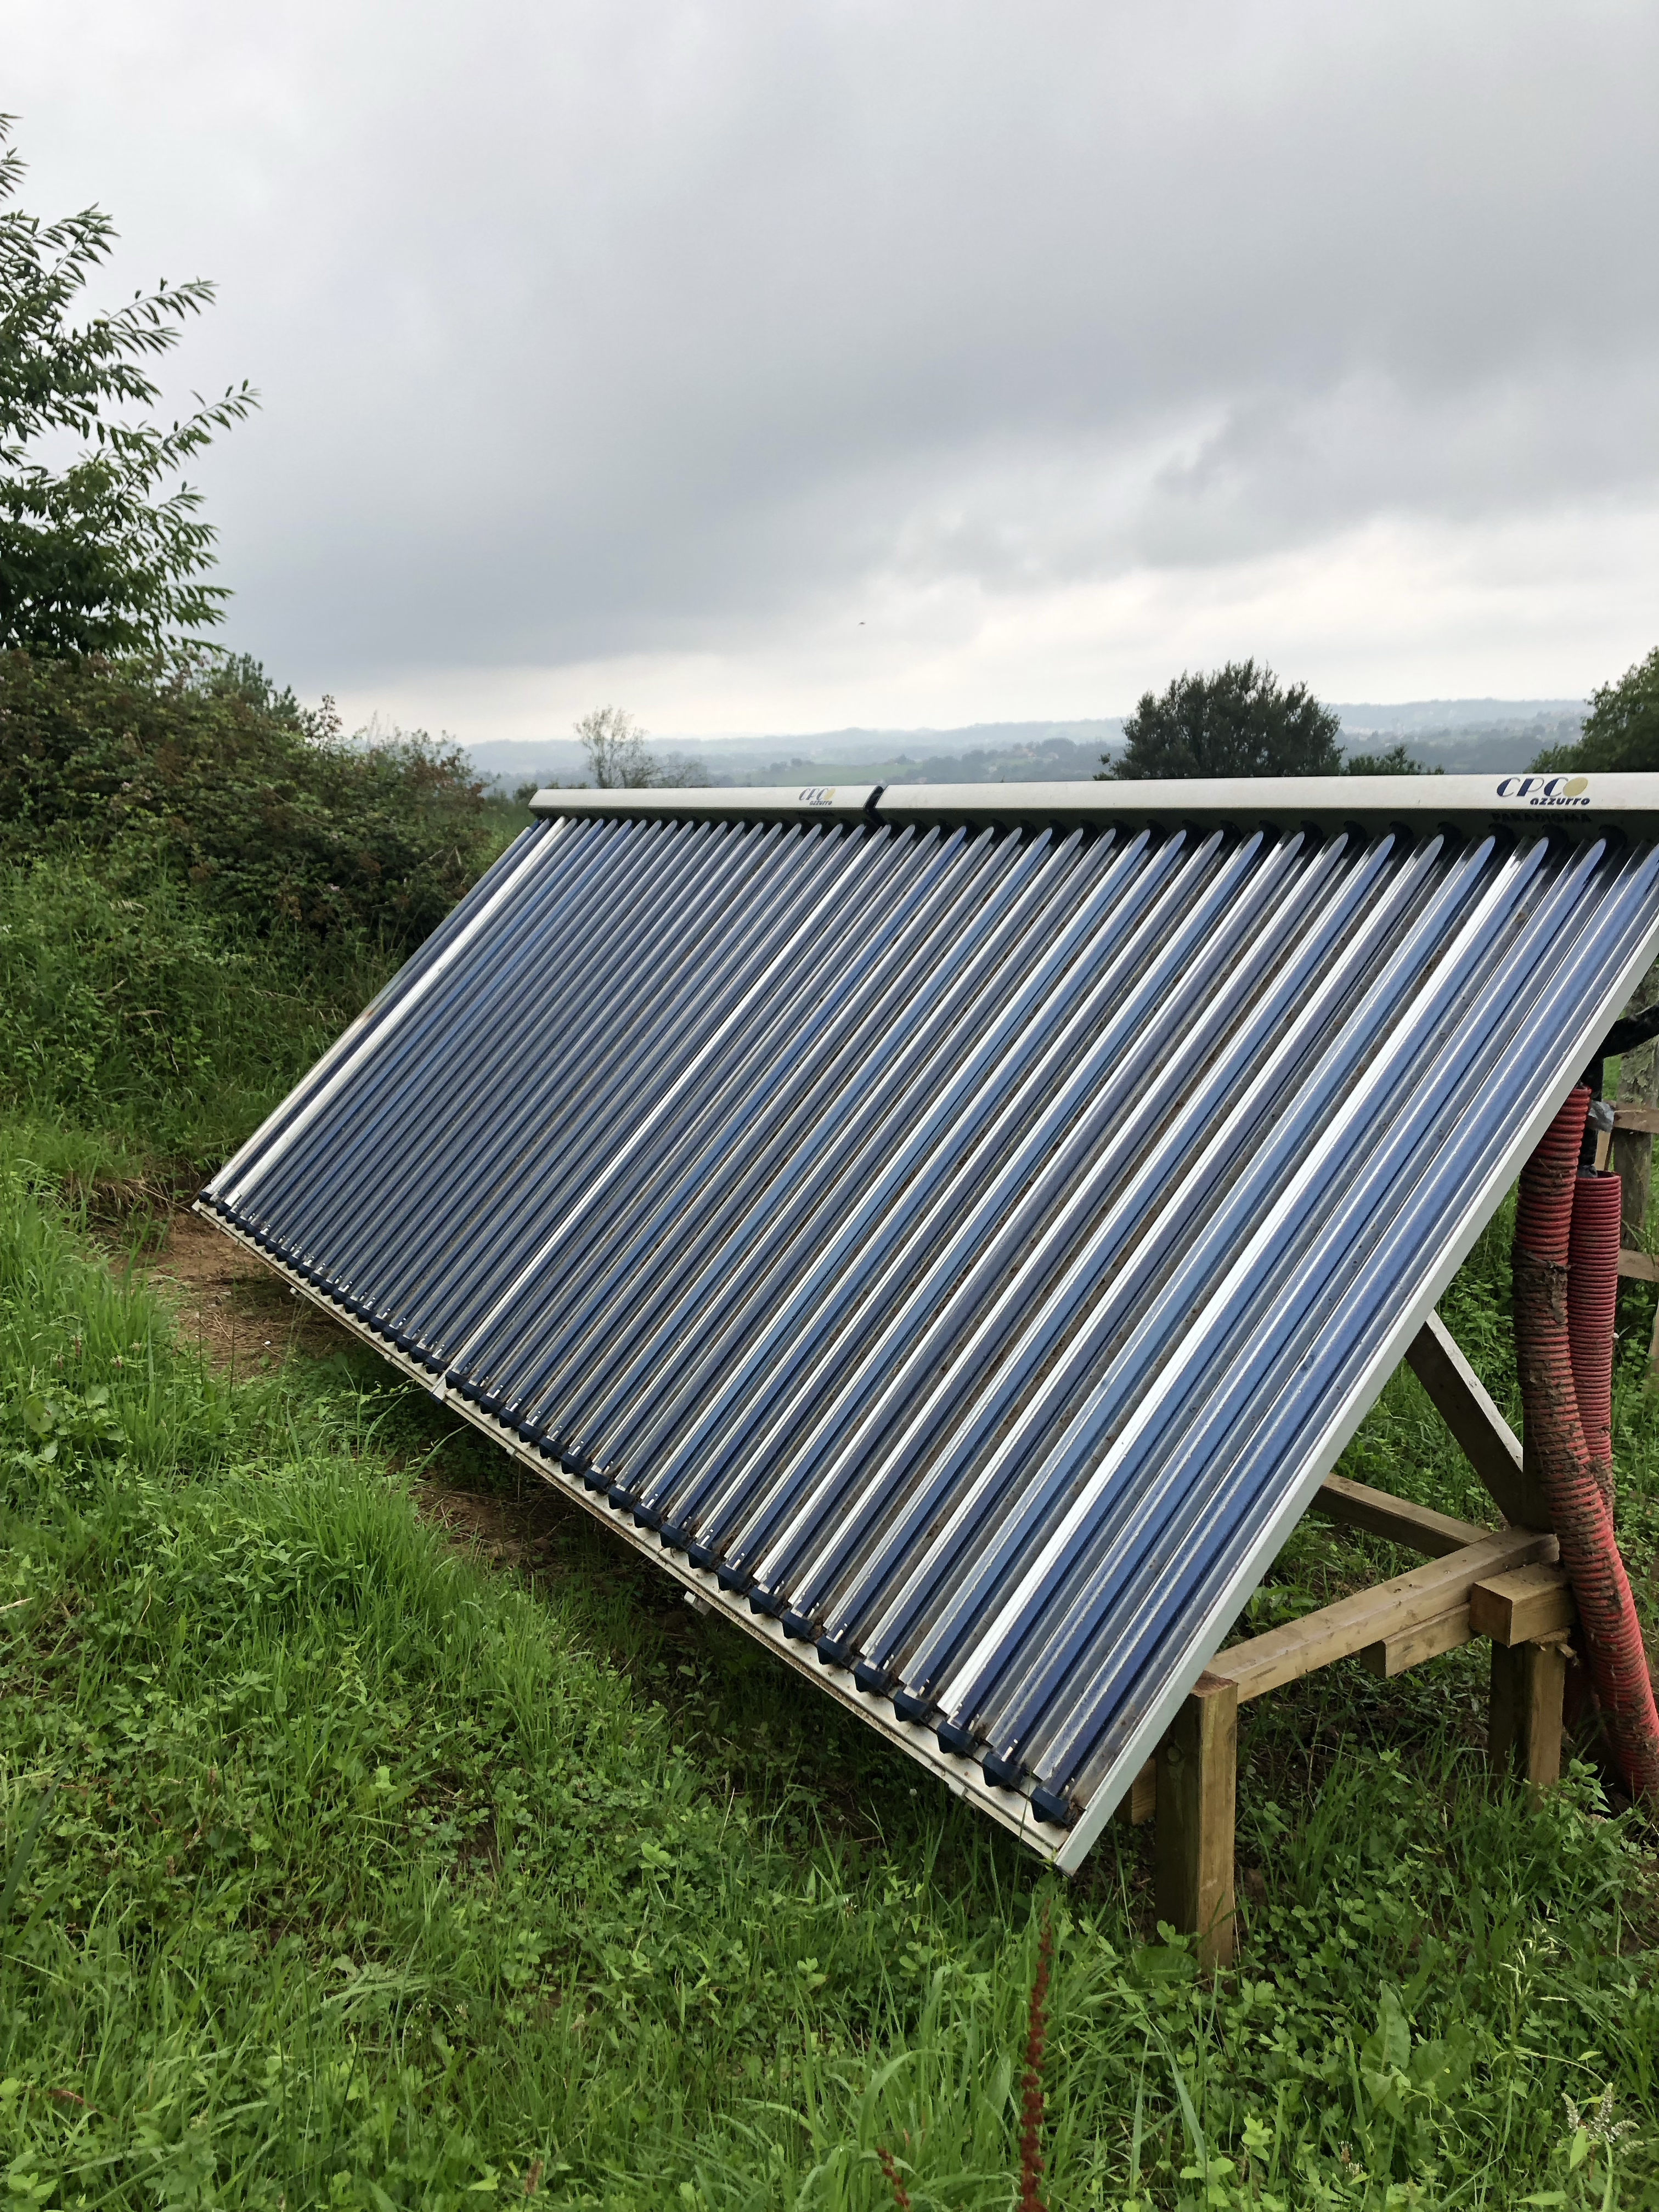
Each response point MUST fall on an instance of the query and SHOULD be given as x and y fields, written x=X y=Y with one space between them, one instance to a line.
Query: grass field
x=346 y=1862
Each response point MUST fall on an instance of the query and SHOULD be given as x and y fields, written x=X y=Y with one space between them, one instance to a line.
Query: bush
x=150 y=1016
x=198 y=770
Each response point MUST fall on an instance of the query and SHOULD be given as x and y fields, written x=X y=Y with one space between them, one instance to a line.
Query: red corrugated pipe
x=1592 y=1302
x=1547 y=1241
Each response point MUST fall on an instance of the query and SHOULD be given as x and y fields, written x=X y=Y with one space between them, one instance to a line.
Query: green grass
x=147 y=1033
x=346 y=1871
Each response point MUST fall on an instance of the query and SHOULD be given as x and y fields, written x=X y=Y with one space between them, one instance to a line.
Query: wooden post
x=1197 y=1795
x=1632 y=1144
x=1633 y=1162
x=1141 y=1803
x=1524 y=1729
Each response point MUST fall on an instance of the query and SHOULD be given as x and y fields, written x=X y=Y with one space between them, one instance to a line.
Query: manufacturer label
x=1547 y=790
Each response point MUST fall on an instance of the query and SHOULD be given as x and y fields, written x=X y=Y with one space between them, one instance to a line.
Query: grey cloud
x=586 y=330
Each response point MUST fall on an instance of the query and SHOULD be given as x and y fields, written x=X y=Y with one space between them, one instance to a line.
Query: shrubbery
x=200 y=884
x=198 y=770
x=140 y=1014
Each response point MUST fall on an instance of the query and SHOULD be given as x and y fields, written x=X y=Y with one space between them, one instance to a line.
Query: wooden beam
x=1528 y=1682
x=1419 y=1528
x=1141 y=1803
x=1627 y=1114
x=1372 y=1616
x=1525 y=1603
x=1197 y=1790
x=1410 y=1647
x=1491 y=1446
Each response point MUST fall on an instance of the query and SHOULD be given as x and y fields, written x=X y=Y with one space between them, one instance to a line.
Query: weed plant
x=192 y=764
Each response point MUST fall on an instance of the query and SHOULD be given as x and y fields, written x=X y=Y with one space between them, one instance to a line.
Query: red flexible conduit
x=1548 y=1239
x=1592 y=1298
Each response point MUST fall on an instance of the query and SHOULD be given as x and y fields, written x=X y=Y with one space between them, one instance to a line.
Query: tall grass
x=148 y=1032
x=143 y=1028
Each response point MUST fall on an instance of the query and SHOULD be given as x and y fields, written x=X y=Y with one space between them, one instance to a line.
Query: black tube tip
x=876 y=1679
x=1048 y=1805
x=961 y=1740
x=835 y=1651
x=1006 y=1773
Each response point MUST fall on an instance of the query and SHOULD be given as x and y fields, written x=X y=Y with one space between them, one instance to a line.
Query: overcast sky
x=776 y=367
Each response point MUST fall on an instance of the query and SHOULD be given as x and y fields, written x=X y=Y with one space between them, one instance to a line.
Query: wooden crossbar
x=1419 y=1528
x=1405 y=1602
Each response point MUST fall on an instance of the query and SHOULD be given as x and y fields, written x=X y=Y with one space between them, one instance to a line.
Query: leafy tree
x=1622 y=730
x=94 y=557
x=1396 y=760
x=1240 y=721
x=615 y=745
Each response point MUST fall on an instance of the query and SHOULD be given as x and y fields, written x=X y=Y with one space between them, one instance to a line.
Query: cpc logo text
x=1547 y=790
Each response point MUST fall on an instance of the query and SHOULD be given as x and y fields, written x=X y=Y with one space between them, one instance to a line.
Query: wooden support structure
x=1524 y=1738
x=1197 y=1785
x=1517 y=1607
x=1634 y=1126
x=1504 y=1584
x=1141 y=1803
x=1419 y=1528
x=1463 y=1402
x=1423 y=1596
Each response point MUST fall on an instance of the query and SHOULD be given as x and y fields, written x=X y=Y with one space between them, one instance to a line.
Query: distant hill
x=1467 y=736
x=985 y=752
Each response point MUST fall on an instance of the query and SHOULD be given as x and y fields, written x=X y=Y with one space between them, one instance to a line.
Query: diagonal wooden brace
x=1489 y=1445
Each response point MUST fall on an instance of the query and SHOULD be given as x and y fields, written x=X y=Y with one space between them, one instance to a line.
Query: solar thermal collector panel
x=956 y=1228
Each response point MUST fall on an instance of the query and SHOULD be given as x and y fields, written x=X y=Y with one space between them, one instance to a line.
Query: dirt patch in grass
x=526 y=1534
x=240 y=1315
